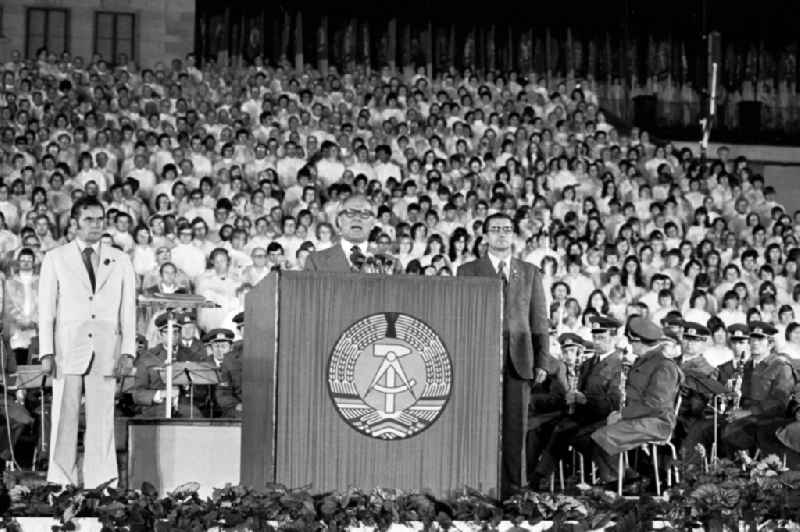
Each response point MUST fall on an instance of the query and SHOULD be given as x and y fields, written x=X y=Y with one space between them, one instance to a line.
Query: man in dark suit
x=525 y=339
x=355 y=221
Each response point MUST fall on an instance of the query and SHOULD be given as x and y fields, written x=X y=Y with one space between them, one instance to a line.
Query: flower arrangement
x=721 y=498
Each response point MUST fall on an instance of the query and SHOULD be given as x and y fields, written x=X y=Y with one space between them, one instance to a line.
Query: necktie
x=356 y=259
x=501 y=272
x=88 y=252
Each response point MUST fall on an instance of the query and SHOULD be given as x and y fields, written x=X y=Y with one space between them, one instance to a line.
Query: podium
x=372 y=381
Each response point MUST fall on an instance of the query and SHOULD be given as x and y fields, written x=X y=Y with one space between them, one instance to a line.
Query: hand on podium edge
x=48 y=364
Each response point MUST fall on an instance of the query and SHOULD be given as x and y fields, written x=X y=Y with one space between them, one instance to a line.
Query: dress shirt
x=496 y=264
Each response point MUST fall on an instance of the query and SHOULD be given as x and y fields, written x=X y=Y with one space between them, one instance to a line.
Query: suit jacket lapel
x=78 y=266
x=103 y=270
x=485 y=267
x=339 y=260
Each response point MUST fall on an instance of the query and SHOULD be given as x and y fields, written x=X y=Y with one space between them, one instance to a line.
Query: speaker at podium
x=372 y=381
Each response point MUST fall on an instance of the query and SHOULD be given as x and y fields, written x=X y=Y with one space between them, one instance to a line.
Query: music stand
x=190 y=374
x=173 y=303
x=30 y=377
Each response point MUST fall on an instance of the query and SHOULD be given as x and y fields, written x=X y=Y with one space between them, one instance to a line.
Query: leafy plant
x=755 y=492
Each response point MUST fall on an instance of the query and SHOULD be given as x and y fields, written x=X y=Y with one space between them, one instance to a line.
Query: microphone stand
x=172 y=302
x=191 y=391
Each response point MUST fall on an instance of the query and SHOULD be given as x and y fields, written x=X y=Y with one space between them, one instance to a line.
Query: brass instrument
x=737 y=391
x=572 y=380
x=625 y=369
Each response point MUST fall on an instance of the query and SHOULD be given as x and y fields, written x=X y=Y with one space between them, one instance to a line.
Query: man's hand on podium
x=48 y=364
x=124 y=365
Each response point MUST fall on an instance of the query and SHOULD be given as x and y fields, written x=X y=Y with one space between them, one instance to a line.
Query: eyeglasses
x=504 y=230
x=259 y=256
x=354 y=213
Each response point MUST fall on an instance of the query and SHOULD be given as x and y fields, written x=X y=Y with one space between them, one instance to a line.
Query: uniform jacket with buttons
x=599 y=382
x=148 y=375
x=77 y=323
x=652 y=387
x=228 y=393
x=767 y=386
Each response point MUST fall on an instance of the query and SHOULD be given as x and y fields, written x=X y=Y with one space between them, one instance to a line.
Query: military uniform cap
x=739 y=331
x=162 y=320
x=644 y=330
x=570 y=340
x=695 y=330
x=218 y=335
x=762 y=329
x=602 y=324
x=672 y=319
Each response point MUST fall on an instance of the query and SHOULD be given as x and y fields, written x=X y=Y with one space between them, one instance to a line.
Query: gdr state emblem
x=390 y=376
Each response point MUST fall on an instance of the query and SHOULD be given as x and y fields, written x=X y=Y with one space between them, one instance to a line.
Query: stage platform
x=168 y=453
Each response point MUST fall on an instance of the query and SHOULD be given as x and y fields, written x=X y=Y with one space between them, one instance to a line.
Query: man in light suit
x=87 y=335
x=356 y=219
x=526 y=342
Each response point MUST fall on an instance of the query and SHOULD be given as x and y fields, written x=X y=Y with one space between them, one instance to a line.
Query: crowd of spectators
x=213 y=176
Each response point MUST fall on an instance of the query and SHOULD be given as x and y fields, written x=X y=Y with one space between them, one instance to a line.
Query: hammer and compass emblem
x=390 y=376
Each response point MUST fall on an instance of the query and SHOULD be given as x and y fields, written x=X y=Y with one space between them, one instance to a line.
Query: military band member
x=597 y=395
x=228 y=394
x=701 y=387
x=648 y=404
x=767 y=385
x=547 y=405
x=219 y=342
x=149 y=390
x=739 y=342
x=672 y=324
x=695 y=344
x=189 y=334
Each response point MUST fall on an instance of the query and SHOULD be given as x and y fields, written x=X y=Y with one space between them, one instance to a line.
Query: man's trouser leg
x=63 y=467
x=100 y=453
x=516 y=393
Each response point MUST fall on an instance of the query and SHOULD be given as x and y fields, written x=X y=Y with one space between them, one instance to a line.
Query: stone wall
x=164 y=29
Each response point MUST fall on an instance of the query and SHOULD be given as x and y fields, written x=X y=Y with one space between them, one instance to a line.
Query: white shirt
x=496 y=264
x=83 y=245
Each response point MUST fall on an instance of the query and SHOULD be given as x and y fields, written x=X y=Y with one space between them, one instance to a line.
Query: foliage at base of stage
x=717 y=498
